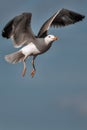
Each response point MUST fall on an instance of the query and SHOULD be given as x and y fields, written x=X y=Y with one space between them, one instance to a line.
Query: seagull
x=20 y=31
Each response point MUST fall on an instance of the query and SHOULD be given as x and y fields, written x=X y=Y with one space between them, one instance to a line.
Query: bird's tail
x=15 y=57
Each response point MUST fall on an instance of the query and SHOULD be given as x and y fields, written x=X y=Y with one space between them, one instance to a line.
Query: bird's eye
x=49 y=36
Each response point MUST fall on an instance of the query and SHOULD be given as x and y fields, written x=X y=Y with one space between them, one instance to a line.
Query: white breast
x=30 y=49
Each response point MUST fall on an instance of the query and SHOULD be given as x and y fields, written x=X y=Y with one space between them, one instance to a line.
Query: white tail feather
x=15 y=57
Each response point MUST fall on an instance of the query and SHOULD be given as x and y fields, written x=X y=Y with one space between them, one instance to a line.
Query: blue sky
x=56 y=98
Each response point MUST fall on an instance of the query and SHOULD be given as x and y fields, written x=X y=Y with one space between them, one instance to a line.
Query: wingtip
x=83 y=16
x=3 y=33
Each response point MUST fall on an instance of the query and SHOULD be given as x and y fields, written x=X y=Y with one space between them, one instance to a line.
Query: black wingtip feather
x=77 y=17
x=6 y=32
x=82 y=17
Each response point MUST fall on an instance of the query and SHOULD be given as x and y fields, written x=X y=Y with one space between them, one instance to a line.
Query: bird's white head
x=50 y=38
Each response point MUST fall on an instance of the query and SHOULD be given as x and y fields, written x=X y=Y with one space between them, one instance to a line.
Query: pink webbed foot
x=33 y=73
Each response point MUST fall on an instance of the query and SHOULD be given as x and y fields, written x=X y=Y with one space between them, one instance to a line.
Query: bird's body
x=39 y=47
x=19 y=30
x=30 y=49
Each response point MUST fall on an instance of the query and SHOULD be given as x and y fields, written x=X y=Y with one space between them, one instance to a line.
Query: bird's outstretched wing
x=62 y=17
x=19 y=29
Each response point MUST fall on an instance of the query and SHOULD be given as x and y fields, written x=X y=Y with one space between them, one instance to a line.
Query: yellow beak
x=55 y=38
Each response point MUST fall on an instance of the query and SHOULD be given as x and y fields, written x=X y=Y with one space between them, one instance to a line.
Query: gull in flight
x=19 y=30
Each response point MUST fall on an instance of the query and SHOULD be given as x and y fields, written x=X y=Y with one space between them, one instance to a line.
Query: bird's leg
x=34 y=69
x=25 y=68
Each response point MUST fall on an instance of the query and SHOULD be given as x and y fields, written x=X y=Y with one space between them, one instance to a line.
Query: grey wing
x=60 y=18
x=19 y=29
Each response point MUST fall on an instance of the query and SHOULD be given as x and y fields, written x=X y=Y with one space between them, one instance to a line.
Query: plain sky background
x=56 y=98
